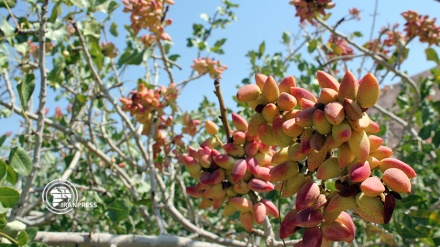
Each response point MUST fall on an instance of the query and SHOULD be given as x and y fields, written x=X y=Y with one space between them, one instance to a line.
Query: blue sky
x=258 y=20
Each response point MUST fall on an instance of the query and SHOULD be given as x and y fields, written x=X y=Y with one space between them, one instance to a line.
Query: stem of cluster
x=254 y=197
x=223 y=110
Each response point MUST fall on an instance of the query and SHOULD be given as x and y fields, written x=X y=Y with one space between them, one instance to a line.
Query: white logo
x=61 y=197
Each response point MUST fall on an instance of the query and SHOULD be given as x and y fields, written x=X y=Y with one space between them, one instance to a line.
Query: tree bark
x=110 y=240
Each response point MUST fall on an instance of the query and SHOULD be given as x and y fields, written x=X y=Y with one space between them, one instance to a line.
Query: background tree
x=128 y=145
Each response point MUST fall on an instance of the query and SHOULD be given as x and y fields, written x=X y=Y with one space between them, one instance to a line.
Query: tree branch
x=41 y=114
x=157 y=214
x=106 y=239
x=402 y=122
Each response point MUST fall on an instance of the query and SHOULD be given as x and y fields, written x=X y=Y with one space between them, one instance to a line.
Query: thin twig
x=165 y=61
x=188 y=201
x=169 y=61
x=114 y=146
x=185 y=82
x=12 y=15
x=292 y=53
x=333 y=59
x=223 y=110
x=89 y=118
x=373 y=25
x=9 y=86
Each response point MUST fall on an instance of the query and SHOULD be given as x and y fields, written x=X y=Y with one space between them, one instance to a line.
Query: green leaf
x=436 y=106
x=198 y=30
x=134 y=57
x=11 y=176
x=95 y=5
x=5 y=113
x=118 y=210
x=312 y=45
x=202 y=45
x=20 y=161
x=104 y=6
x=4 y=61
x=56 y=11
x=357 y=34
x=174 y=57
x=10 y=3
x=425 y=132
x=2 y=140
x=436 y=241
x=9 y=197
x=190 y=42
x=3 y=220
x=436 y=139
x=92 y=29
x=56 y=30
x=22 y=238
x=167 y=48
x=426 y=217
x=261 y=49
x=2 y=169
x=31 y=232
x=112 y=6
x=78 y=3
x=22 y=48
x=49 y=159
x=220 y=42
x=96 y=53
x=286 y=37
x=217 y=46
x=413 y=200
x=431 y=55
x=416 y=232
x=114 y=29
x=25 y=89
x=145 y=202
x=229 y=4
x=7 y=29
